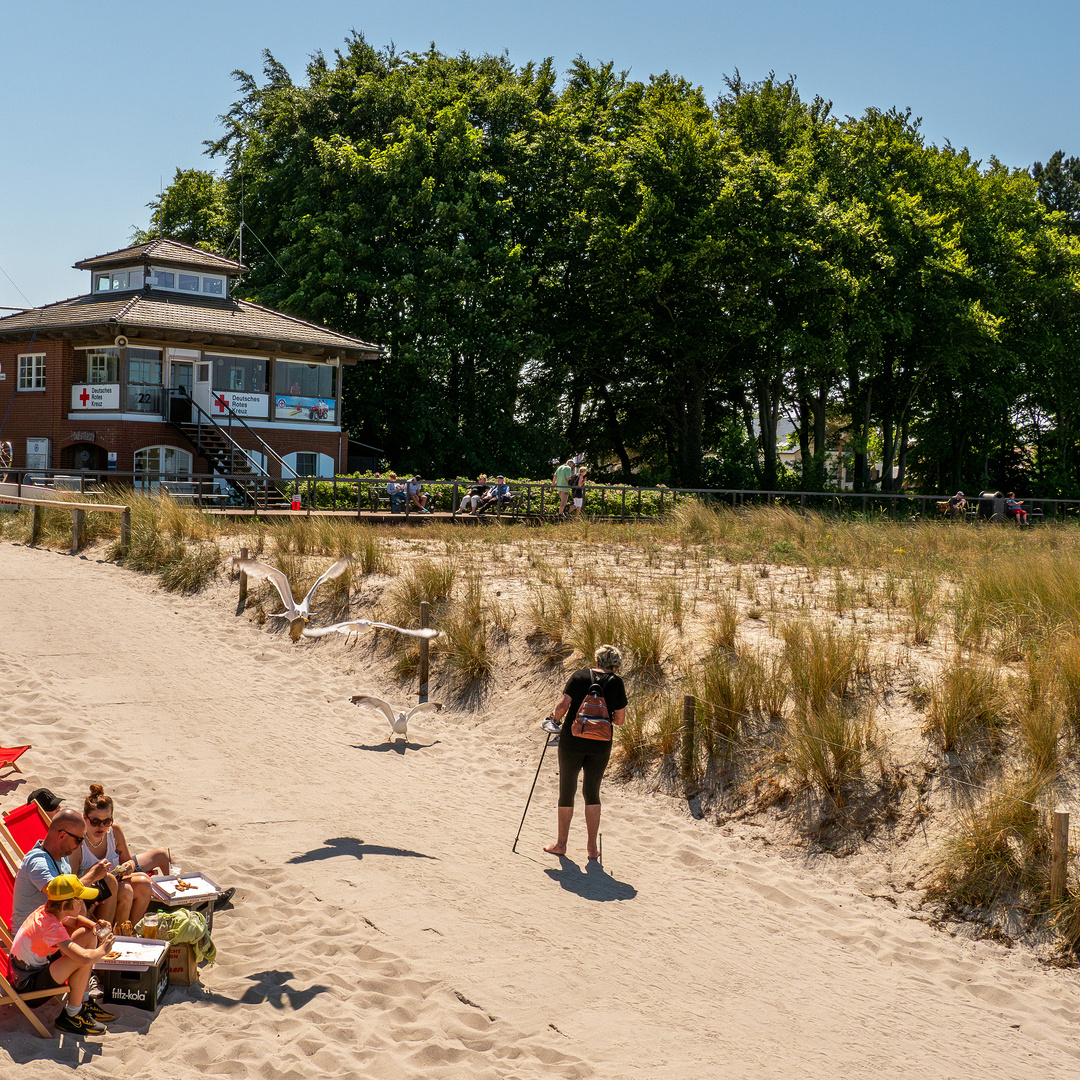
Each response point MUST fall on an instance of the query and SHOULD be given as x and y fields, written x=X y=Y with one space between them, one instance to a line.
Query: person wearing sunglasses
x=105 y=841
x=50 y=858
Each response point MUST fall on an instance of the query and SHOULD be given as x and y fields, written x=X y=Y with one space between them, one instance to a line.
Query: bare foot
x=594 y=853
x=555 y=849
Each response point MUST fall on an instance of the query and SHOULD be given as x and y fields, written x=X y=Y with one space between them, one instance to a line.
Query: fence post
x=688 y=738
x=243 y=578
x=125 y=530
x=35 y=526
x=76 y=530
x=1059 y=855
x=425 y=613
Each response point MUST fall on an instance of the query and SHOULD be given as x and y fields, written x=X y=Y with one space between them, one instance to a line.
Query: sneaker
x=225 y=899
x=550 y=726
x=79 y=1024
x=95 y=1011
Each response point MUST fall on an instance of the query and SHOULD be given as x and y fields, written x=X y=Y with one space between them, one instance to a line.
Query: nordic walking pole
x=547 y=739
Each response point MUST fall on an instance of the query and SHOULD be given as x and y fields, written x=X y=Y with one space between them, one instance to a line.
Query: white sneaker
x=551 y=727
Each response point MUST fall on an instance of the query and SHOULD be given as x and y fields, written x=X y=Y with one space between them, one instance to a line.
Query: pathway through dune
x=382 y=926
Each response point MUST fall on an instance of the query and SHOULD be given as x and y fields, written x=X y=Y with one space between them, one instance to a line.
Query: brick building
x=160 y=371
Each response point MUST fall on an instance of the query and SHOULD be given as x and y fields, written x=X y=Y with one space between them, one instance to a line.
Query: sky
x=103 y=102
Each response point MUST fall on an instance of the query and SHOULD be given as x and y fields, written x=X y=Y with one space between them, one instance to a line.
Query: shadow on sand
x=592 y=883
x=399 y=746
x=357 y=849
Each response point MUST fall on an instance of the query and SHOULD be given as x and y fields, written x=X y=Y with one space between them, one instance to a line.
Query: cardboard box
x=140 y=986
x=183 y=970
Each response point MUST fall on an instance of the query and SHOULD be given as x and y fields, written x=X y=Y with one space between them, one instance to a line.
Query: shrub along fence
x=532 y=498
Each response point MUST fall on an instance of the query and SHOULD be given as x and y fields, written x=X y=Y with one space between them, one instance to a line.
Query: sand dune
x=384 y=928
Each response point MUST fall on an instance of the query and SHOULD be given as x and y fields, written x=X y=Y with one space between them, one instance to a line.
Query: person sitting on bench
x=498 y=493
x=1014 y=508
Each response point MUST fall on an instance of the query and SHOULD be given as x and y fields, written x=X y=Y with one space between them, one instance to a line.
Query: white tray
x=165 y=891
x=136 y=954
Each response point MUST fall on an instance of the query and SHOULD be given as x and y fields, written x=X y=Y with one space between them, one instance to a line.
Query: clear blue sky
x=102 y=102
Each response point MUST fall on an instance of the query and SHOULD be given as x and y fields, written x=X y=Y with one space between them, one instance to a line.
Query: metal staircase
x=213 y=440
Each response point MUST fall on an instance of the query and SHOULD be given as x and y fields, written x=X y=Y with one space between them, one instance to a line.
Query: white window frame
x=203 y=284
x=32 y=371
x=118 y=280
x=182 y=469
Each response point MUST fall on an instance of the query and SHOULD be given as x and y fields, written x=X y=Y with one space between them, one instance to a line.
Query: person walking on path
x=561 y=483
x=589 y=756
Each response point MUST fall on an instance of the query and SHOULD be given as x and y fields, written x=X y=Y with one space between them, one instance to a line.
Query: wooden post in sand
x=35 y=526
x=689 y=713
x=425 y=615
x=76 y=530
x=1059 y=855
x=243 y=577
x=125 y=529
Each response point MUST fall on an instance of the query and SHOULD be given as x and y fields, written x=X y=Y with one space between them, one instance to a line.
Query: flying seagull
x=297 y=614
x=398 y=723
x=356 y=625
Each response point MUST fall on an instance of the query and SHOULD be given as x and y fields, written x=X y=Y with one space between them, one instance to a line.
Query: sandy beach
x=383 y=927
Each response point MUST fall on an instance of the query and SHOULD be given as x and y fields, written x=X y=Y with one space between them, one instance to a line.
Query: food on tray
x=111 y=956
x=182 y=886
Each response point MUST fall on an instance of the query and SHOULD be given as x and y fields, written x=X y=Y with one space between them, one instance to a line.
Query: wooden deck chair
x=9 y=755
x=10 y=996
x=26 y=825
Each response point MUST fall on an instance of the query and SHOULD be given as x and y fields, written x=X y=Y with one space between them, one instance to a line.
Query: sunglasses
x=74 y=836
x=99 y=823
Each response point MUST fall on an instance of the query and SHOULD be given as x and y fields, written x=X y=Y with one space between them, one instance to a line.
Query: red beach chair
x=9 y=755
x=8 y=994
x=26 y=825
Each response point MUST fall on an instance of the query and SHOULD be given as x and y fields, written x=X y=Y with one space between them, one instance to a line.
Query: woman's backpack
x=592 y=720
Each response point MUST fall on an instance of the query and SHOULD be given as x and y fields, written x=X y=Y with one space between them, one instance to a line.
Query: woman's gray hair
x=607 y=656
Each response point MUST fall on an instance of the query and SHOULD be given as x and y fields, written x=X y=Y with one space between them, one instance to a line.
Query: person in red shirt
x=57 y=944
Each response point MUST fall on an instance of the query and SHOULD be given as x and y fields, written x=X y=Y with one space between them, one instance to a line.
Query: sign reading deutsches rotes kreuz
x=257 y=405
x=95 y=396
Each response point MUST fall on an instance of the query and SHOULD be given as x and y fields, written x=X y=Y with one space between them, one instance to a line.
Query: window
x=165 y=461
x=118 y=279
x=32 y=371
x=144 y=380
x=239 y=374
x=207 y=284
x=305 y=380
x=307 y=464
x=103 y=366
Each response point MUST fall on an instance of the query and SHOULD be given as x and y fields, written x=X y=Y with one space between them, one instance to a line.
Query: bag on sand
x=592 y=720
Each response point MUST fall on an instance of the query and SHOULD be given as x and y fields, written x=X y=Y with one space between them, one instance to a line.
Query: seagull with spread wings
x=297 y=614
x=399 y=722
x=355 y=626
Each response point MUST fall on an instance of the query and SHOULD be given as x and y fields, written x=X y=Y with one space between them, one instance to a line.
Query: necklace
x=103 y=842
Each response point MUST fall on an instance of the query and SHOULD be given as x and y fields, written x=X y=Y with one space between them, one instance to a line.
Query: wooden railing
x=78 y=516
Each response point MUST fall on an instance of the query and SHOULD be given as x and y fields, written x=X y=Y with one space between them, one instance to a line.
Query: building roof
x=164 y=253
x=154 y=315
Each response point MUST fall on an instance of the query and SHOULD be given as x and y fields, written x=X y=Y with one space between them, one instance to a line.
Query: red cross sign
x=84 y=397
x=220 y=402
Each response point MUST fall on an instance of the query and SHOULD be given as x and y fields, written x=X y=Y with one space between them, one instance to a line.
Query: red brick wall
x=36 y=414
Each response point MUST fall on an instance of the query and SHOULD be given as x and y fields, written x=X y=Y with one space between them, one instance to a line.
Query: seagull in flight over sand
x=356 y=625
x=398 y=723
x=297 y=614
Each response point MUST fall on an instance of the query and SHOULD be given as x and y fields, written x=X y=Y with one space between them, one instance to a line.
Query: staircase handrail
x=267 y=449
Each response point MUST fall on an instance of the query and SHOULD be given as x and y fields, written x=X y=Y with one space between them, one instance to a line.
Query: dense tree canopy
x=666 y=283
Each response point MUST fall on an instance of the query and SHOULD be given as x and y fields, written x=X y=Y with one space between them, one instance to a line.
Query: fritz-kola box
x=138 y=976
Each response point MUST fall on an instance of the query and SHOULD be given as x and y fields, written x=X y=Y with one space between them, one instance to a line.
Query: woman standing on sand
x=577 y=755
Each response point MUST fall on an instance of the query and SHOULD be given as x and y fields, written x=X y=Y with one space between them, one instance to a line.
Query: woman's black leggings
x=571 y=762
